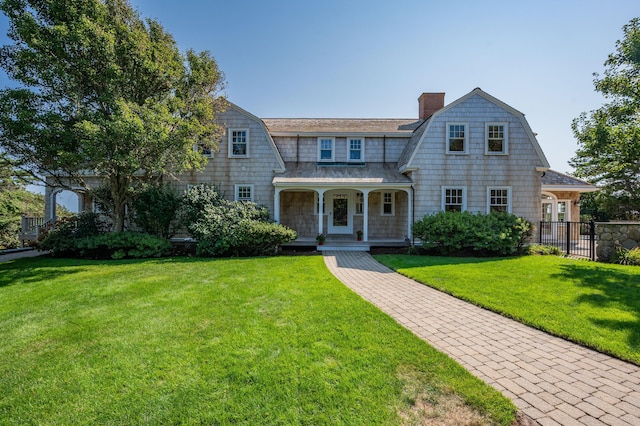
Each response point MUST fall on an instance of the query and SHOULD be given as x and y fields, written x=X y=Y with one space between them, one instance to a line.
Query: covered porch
x=345 y=208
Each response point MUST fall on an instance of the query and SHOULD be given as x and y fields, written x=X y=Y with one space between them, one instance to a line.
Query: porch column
x=365 y=215
x=52 y=203
x=276 y=205
x=320 y=210
x=409 y=212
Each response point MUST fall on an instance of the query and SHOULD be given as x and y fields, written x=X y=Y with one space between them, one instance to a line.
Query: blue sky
x=372 y=59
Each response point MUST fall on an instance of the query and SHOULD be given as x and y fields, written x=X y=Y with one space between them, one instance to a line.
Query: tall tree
x=609 y=137
x=103 y=93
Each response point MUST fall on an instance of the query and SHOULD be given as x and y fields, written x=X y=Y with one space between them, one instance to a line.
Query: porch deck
x=345 y=243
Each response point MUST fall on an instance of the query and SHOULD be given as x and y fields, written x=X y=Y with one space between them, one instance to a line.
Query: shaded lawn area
x=235 y=341
x=591 y=303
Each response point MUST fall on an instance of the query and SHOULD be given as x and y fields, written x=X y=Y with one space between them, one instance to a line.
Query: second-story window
x=326 y=149
x=238 y=143
x=457 y=138
x=356 y=149
x=497 y=138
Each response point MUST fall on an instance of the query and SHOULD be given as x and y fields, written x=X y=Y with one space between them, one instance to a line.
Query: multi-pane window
x=498 y=200
x=562 y=211
x=244 y=192
x=496 y=138
x=204 y=150
x=387 y=203
x=238 y=143
x=453 y=199
x=359 y=203
x=325 y=149
x=356 y=148
x=457 y=138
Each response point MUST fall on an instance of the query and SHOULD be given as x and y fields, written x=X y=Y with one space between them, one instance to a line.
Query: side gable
x=264 y=129
x=408 y=159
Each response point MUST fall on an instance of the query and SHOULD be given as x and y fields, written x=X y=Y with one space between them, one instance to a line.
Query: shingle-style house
x=377 y=176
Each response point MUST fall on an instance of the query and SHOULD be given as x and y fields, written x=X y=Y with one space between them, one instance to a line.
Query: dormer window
x=326 y=149
x=356 y=149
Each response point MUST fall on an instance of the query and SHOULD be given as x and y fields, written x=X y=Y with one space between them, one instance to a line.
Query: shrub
x=626 y=257
x=230 y=228
x=62 y=240
x=122 y=245
x=542 y=250
x=454 y=233
x=155 y=209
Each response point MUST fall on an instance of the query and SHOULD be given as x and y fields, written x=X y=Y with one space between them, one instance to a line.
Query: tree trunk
x=119 y=190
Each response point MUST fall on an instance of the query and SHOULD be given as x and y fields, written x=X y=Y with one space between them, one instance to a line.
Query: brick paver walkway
x=551 y=380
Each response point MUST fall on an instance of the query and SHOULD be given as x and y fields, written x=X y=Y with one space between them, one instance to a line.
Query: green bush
x=539 y=249
x=155 y=210
x=231 y=228
x=455 y=233
x=122 y=245
x=62 y=240
x=626 y=257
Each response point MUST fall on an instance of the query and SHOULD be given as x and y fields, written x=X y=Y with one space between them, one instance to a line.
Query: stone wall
x=610 y=235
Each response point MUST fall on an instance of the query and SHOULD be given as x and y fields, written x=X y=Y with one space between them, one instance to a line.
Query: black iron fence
x=574 y=238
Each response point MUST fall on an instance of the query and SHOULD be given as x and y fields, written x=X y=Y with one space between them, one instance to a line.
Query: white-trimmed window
x=238 y=143
x=388 y=204
x=244 y=192
x=326 y=149
x=359 y=203
x=356 y=149
x=497 y=138
x=206 y=151
x=564 y=214
x=457 y=138
x=454 y=199
x=499 y=199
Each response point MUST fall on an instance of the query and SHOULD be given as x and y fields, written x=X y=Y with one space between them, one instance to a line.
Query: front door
x=340 y=216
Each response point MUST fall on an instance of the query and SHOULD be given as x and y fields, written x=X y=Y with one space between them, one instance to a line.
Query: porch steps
x=342 y=246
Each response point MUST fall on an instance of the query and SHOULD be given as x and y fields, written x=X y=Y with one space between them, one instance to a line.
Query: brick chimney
x=428 y=103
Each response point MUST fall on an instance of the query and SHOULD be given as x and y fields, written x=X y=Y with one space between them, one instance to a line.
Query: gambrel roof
x=406 y=161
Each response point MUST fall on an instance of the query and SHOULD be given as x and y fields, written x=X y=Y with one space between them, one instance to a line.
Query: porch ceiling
x=372 y=174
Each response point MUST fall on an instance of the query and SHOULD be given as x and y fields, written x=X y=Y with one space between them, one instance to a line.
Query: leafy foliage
x=626 y=257
x=86 y=236
x=494 y=234
x=231 y=228
x=538 y=249
x=155 y=209
x=122 y=245
x=609 y=137
x=63 y=239
x=103 y=91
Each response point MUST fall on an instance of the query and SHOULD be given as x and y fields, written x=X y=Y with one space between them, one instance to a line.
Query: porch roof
x=369 y=175
x=556 y=181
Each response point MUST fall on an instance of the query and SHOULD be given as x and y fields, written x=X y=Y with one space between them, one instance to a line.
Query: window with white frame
x=388 y=204
x=497 y=138
x=359 y=203
x=326 y=151
x=244 y=192
x=499 y=200
x=203 y=149
x=457 y=138
x=238 y=143
x=454 y=199
x=356 y=149
x=563 y=211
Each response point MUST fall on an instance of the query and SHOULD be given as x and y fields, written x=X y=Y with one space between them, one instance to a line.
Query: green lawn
x=194 y=341
x=591 y=303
